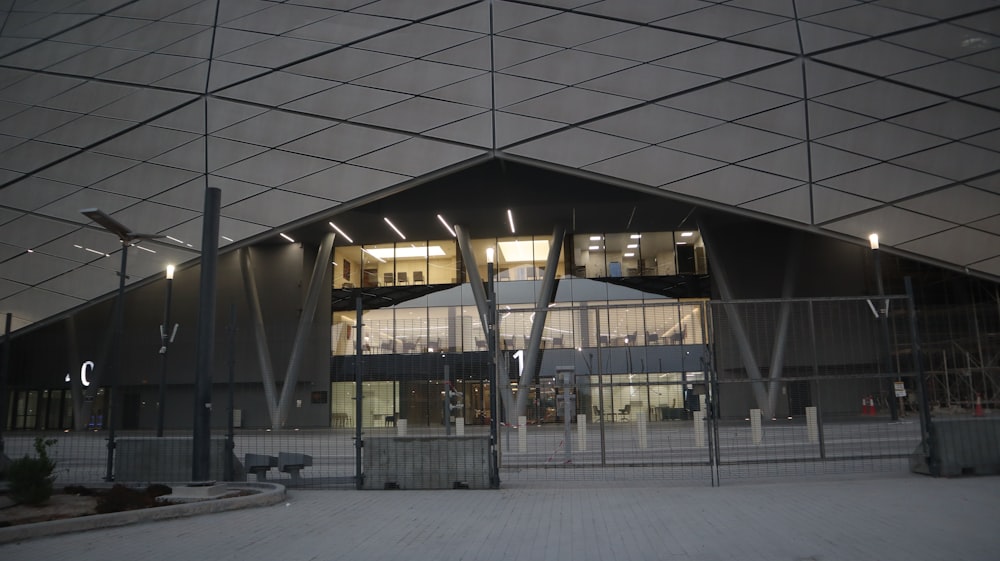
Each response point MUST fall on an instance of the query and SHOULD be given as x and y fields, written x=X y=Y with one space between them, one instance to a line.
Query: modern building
x=631 y=163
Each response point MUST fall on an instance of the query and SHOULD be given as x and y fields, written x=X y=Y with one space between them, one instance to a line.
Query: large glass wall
x=410 y=341
x=648 y=254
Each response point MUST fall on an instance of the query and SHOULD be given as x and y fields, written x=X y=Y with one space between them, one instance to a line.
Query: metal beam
x=317 y=288
x=736 y=323
x=483 y=306
x=534 y=342
x=781 y=338
x=260 y=336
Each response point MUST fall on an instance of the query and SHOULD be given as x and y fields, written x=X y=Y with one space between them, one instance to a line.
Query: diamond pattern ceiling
x=838 y=116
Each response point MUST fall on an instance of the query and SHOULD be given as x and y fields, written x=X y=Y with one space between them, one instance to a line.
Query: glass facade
x=426 y=340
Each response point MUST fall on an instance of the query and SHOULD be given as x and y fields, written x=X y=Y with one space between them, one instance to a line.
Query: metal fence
x=749 y=389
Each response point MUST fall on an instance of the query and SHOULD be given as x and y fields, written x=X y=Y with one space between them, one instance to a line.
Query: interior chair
x=401 y=277
x=625 y=411
x=387 y=279
x=677 y=337
x=418 y=277
x=481 y=344
x=652 y=338
x=597 y=414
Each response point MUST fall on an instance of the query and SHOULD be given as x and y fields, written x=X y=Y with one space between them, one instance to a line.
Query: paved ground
x=856 y=518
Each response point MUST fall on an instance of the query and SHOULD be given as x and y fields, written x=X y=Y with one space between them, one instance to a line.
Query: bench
x=259 y=464
x=293 y=462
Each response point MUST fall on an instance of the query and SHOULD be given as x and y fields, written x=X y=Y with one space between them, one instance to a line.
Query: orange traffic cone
x=979 y=407
x=871 y=406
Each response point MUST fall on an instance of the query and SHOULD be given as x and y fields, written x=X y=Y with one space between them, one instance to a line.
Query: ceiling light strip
x=393 y=226
x=510 y=218
x=450 y=229
x=341 y=232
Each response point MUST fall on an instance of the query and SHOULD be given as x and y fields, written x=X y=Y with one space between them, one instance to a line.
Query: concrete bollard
x=756 y=431
x=812 y=425
x=522 y=434
x=641 y=427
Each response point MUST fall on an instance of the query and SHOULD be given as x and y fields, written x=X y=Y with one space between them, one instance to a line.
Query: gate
x=770 y=387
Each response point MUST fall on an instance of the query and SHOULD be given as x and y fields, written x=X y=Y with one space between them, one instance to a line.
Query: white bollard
x=812 y=426
x=641 y=426
x=756 y=432
x=522 y=434
x=400 y=427
x=581 y=432
x=699 y=429
x=459 y=426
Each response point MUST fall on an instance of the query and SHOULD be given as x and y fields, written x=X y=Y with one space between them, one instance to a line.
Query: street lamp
x=127 y=237
x=491 y=327
x=883 y=313
x=167 y=335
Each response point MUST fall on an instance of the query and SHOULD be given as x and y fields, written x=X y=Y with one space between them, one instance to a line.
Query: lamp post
x=166 y=338
x=127 y=237
x=491 y=327
x=883 y=313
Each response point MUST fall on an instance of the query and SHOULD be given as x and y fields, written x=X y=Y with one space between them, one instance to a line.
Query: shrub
x=30 y=478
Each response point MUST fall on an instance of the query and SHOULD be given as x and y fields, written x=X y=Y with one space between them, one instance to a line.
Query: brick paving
x=860 y=517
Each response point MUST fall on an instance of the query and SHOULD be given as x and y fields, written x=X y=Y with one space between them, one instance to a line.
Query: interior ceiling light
x=595 y=238
x=629 y=254
x=173 y=239
x=393 y=226
x=510 y=218
x=632 y=246
x=687 y=234
x=636 y=236
x=341 y=232
x=406 y=252
x=287 y=237
x=682 y=243
x=523 y=251
x=369 y=252
x=449 y=228
x=143 y=248
x=228 y=239
x=593 y=247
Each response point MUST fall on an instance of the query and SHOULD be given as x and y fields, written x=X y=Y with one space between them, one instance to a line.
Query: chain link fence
x=680 y=391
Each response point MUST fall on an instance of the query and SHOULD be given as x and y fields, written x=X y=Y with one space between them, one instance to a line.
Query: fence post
x=925 y=410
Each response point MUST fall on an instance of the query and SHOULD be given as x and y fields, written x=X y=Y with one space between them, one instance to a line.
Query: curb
x=270 y=493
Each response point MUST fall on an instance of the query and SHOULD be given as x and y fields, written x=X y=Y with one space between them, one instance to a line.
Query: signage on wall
x=85 y=369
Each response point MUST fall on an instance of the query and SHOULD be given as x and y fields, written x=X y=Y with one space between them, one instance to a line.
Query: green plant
x=30 y=478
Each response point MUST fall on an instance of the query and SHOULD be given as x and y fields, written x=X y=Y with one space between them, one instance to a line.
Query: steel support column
x=538 y=323
x=317 y=288
x=260 y=336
